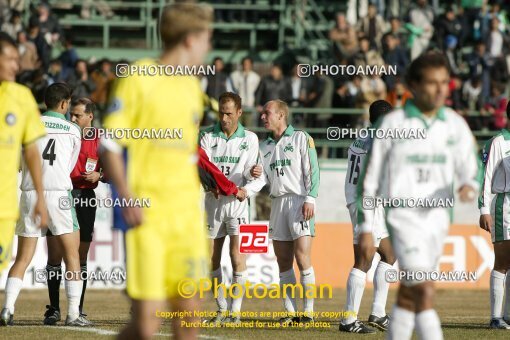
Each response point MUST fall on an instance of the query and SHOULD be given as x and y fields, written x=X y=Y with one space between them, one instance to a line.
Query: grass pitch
x=464 y=314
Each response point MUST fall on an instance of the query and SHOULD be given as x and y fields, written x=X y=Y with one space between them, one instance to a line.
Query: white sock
x=428 y=325
x=239 y=278
x=381 y=287
x=507 y=296
x=307 y=277
x=73 y=292
x=221 y=301
x=289 y=302
x=401 y=324
x=12 y=288
x=355 y=287
x=497 y=289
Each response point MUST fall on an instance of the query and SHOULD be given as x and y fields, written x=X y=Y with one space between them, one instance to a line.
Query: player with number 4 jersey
x=59 y=150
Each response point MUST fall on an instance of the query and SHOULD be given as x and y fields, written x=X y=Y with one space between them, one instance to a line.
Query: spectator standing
x=344 y=38
x=495 y=39
x=216 y=84
x=80 y=82
x=273 y=86
x=102 y=77
x=394 y=55
x=49 y=28
x=245 y=83
x=421 y=28
x=372 y=26
x=480 y=62
x=14 y=25
x=495 y=108
x=446 y=25
x=28 y=53
x=68 y=57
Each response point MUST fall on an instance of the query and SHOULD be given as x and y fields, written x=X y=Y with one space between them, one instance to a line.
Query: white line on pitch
x=101 y=331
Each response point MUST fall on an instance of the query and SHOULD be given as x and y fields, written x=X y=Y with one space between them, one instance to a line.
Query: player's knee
x=237 y=264
x=303 y=260
x=363 y=263
x=501 y=263
x=388 y=258
x=423 y=293
x=284 y=263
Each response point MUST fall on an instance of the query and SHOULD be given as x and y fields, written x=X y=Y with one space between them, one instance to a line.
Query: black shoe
x=289 y=320
x=380 y=323
x=356 y=327
x=306 y=320
x=51 y=316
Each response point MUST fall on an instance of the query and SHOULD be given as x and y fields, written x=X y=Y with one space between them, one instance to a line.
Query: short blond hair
x=180 y=19
x=280 y=105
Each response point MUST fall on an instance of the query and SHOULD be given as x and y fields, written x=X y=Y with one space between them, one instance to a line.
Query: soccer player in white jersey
x=234 y=150
x=425 y=168
x=494 y=203
x=292 y=170
x=59 y=150
x=378 y=240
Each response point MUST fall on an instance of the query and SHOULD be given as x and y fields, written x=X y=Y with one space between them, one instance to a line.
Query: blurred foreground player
x=59 y=150
x=20 y=126
x=292 y=170
x=377 y=241
x=85 y=177
x=419 y=168
x=494 y=203
x=167 y=242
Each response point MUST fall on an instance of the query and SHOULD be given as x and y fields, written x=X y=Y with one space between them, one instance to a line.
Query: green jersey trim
x=217 y=132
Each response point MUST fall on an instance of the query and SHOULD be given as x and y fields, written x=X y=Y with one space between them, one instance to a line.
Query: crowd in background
x=473 y=34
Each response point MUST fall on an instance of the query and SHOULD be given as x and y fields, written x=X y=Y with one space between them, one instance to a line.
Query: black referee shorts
x=86 y=213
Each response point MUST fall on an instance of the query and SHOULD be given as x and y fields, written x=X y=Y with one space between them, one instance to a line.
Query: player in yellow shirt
x=20 y=125
x=167 y=242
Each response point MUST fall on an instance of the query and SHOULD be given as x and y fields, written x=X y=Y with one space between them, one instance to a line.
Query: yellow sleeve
x=123 y=106
x=203 y=103
x=34 y=128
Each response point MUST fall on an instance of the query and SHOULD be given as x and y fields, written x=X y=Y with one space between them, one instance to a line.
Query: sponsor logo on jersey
x=280 y=162
x=226 y=159
x=243 y=146
x=267 y=154
x=10 y=119
x=289 y=147
x=115 y=105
